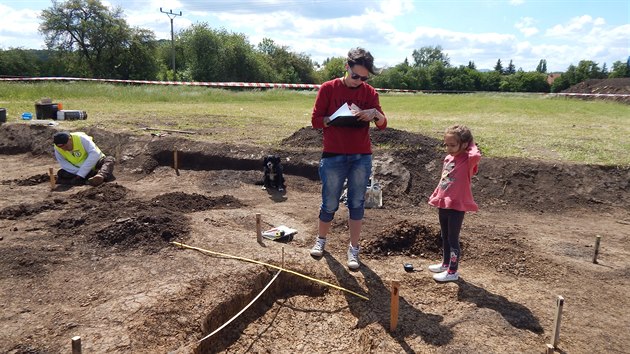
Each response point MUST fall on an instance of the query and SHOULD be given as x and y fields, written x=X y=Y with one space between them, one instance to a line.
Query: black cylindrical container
x=67 y=114
x=44 y=111
x=3 y=115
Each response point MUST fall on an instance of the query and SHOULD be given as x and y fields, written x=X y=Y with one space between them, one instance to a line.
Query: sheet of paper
x=342 y=111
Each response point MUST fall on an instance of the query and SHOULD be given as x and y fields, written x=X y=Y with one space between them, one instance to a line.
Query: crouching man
x=81 y=160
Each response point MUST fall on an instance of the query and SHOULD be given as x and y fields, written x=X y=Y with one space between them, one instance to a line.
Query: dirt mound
x=107 y=192
x=28 y=181
x=408 y=166
x=150 y=230
x=14 y=212
x=392 y=138
x=604 y=86
x=187 y=203
x=405 y=238
x=110 y=220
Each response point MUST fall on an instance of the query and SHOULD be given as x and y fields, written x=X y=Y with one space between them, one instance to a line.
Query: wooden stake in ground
x=283 y=257
x=258 y=229
x=597 y=240
x=393 y=321
x=76 y=345
x=176 y=162
x=555 y=333
x=549 y=349
x=51 y=174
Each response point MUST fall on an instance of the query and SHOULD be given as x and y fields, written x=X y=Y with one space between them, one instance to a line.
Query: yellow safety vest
x=78 y=153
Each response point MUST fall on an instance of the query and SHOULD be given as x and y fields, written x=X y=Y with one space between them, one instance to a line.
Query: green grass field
x=505 y=125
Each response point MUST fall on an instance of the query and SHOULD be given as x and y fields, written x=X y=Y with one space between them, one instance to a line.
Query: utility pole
x=172 y=15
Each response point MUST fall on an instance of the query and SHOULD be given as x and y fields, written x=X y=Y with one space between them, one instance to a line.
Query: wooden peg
x=549 y=349
x=596 y=252
x=258 y=228
x=51 y=175
x=176 y=162
x=555 y=333
x=282 y=257
x=393 y=321
x=76 y=345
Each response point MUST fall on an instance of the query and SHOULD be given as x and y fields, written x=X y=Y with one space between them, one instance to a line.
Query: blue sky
x=562 y=32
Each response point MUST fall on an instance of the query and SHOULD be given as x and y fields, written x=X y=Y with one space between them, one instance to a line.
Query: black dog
x=273 y=177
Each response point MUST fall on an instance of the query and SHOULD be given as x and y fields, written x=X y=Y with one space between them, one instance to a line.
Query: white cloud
x=390 y=9
x=517 y=2
x=525 y=26
x=575 y=27
x=23 y=24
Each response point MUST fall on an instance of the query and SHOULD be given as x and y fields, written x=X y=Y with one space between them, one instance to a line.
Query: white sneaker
x=353 y=257
x=445 y=276
x=438 y=268
x=318 y=249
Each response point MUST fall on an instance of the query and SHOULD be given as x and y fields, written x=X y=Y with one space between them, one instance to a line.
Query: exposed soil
x=619 y=86
x=99 y=263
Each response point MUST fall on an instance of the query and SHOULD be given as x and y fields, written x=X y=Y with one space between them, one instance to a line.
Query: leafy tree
x=471 y=65
x=498 y=67
x=510 y=69
x=525 y=82
x=542 y=66
x=100 y=38
x=332 y=68
x=218 y=55
x=459 y=79
x=140 y=56
x=289 y=67
x=437 y=76
x=19 y=62
x=491 y=81
x=566 y=80
x=430 y=55
x=587 y=69
x=620 y=69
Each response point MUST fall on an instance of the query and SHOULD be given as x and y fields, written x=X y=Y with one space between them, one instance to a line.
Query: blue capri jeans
x=333 y=172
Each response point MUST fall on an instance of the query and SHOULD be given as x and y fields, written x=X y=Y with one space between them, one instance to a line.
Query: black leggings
x=450 y=225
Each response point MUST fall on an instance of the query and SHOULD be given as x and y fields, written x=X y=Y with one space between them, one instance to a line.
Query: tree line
x=85 y=38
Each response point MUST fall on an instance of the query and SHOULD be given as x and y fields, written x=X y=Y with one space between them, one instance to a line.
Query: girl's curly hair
x=461 y=132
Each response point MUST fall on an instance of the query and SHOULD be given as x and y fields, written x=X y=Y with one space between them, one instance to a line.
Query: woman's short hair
x=360 y=56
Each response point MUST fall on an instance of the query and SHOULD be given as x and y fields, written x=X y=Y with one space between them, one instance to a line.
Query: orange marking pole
x=555 y=333
x=76 y=345
x=597 y=241
x=393 y=321
x=258 y=229
x=51 y=174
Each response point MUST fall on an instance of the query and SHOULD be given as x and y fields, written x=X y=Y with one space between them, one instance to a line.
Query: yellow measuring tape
x=179 y=244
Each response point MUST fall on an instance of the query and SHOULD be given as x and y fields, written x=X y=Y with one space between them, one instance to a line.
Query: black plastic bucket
x=3 y=115
x=45 y=111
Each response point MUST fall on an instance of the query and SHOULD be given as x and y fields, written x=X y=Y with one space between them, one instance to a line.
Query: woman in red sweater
x=347 y=152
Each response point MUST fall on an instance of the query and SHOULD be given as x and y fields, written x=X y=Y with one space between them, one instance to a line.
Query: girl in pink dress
x=453 y=197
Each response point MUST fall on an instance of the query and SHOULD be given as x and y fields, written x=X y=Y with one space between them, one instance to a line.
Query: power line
x=171 y=15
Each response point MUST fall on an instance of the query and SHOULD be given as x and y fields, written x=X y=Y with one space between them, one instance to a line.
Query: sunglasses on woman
x=357 y=76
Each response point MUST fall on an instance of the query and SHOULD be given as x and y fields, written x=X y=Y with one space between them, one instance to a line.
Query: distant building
x=552 y=77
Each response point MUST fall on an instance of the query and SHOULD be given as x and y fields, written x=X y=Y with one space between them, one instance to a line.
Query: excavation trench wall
x=285 y=286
